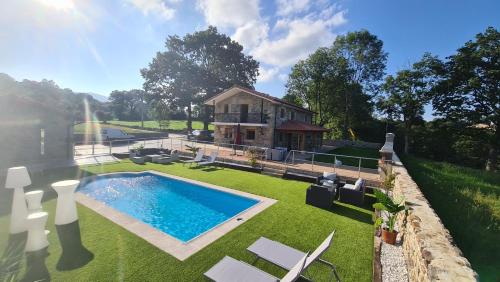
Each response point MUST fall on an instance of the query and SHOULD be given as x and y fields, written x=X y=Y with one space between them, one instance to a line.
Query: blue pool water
x=181 y=209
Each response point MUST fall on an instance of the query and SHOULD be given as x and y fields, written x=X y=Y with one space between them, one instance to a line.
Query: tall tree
x=221 y=63
x=407 y=94
x=124 y=104
x=196 y=67
x=469 y=89
x=171 y=79
x=365 y=57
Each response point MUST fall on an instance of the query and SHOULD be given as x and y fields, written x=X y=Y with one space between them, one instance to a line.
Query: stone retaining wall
x=430 y=252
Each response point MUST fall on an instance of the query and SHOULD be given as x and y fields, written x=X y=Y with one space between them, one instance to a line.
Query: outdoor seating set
x=27 y=213
x=328 y=188
x=163 y=158
x=288 y=258
x=159 y=157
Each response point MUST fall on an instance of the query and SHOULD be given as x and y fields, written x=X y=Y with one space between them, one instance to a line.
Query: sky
x=100 y=46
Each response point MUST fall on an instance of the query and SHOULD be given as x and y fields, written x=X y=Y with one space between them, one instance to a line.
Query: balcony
x=255 y=118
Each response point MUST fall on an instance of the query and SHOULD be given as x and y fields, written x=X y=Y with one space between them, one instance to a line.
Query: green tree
x=469 y=88
x=171 y=79
x=221 y=63
x=407 y=93
x=338 y=82
x=125 y=104
x=196 y=67
x=365 y=57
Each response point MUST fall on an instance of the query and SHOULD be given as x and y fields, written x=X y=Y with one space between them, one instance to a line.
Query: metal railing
x=322 y=161
x=299 y=160
x=238 y=118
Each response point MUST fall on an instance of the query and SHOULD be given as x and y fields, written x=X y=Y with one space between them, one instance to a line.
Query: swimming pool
x=182 y=209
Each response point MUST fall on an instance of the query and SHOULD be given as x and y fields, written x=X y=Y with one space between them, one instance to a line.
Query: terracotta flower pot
x=389 y=237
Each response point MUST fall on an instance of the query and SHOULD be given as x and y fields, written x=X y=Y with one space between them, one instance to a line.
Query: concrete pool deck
x=167 y=243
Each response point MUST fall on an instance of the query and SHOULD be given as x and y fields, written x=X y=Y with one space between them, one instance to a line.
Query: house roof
x=236 y=89
x=294 y=125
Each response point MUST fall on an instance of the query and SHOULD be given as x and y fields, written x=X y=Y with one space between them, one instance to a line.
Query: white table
x=37 y=236
x=66 y=206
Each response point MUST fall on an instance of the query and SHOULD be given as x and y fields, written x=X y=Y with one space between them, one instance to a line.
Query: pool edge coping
x=164 y=241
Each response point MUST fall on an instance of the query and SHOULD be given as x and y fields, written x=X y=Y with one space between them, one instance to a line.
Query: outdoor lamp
x=17 y=179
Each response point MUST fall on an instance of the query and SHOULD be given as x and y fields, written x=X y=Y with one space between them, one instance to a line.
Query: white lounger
x=286 y=257
x=211 y=159
x=232 y=270
x=198 y=158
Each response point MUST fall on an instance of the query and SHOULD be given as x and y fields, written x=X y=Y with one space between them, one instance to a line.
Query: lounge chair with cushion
x=353 y=193
x=329 y=179
x=198 y=158
x=287 y=257
x=321 y=196
x=232 y=270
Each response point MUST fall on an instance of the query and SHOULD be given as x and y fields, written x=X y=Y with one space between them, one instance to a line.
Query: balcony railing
x=238 y=118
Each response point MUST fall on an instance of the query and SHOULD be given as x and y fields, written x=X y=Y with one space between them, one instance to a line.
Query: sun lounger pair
x=198 y=159
x=295 y=261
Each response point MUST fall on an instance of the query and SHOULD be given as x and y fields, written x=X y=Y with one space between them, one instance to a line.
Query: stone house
x=245 y=116
x=33 y=133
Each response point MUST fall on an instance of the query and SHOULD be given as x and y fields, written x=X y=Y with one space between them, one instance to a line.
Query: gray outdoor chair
x=287 y=257
x=353 y=194
x=198 y=158
x=232 y=270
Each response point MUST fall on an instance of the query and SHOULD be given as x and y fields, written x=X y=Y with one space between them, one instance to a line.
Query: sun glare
x=64 y=5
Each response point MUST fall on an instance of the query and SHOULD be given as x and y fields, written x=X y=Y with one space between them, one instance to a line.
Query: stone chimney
x=388 y=149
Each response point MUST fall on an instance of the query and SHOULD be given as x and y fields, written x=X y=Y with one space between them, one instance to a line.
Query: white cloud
x=267 y=74
x=156 y=7
x=301 y=27
x=229 y=13
x=251 y=34
x=283 y=77
x=287 y=7
x=303 y=36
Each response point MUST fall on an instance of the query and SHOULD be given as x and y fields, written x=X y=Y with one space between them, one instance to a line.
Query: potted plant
x=391 y=209
x=252 y=156
x=193 y=149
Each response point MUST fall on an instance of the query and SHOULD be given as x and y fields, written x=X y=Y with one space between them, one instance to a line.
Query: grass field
x=174 y=124
x=82 y=128
x=119 y=255
x=351 y=151
x=468 y=202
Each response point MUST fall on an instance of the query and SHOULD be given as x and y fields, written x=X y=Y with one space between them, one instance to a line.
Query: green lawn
x=174 y=124
x=352 y=151
x=120 y=255
x=94 y=127
x=468 y=202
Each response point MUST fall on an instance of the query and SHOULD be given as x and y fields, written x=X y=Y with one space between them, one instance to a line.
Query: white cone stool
x=66 y=206
x=17 y=179
x=34 y=200
x=37 y=237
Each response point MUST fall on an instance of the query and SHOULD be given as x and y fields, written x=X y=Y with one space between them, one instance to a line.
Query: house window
x=226 y=108
x=42 y=141
x=292 y=115
x=282 y=113
x=228 y=133
x=280 y=137
x=250 y=134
